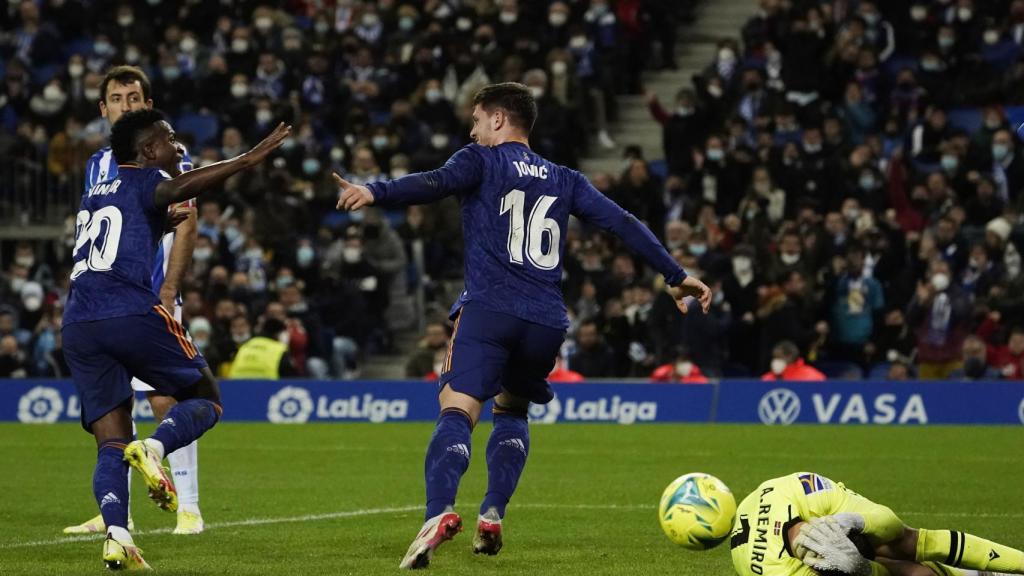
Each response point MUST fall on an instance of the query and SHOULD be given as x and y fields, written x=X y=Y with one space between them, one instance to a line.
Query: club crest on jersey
x=525 y=169
x=813 y=483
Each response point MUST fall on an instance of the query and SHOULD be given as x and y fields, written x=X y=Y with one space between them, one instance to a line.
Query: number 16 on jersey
x=531 y=236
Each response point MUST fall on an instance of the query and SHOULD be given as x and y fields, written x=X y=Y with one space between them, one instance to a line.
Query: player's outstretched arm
x=462 y=172
x=352 y=196
x=194 y=182
x=691 y=288
x=593 y=206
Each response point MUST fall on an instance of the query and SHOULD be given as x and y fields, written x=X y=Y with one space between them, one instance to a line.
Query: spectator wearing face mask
x=740 y=289
x=201 y=331
x=1007 y=165
x=974 y=362
x=788 y=366
x=939 y=314
x=681 y=370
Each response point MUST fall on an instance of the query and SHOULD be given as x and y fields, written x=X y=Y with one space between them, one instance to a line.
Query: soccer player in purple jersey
x=124 y=89
x=115 y=326
x=510 y=321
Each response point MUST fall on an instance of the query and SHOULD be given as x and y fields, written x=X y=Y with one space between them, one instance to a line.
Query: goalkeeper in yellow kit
x=804 y=524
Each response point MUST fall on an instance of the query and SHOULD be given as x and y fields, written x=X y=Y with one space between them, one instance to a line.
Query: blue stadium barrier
x=742 y=401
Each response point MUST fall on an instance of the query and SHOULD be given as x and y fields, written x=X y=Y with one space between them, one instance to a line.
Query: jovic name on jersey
x=102 y=166
x=515 y=212
x=117 y=230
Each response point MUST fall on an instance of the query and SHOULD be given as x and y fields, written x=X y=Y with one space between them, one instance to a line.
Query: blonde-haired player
x=804 y=524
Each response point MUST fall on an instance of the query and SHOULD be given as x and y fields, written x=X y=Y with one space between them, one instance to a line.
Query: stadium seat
x=968 y=119
x=203 y=127
x=880 y=371
x=42 y=74
x=659 y=169
x=731 y=370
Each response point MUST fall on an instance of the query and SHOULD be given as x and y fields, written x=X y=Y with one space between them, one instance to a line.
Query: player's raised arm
x=194 y=182
x=463 y=171
x=594 y=207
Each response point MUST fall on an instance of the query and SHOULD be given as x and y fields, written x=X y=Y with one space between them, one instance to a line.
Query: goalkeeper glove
x=832 y=549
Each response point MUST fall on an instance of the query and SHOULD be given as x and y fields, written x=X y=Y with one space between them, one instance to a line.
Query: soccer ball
x=696 y=511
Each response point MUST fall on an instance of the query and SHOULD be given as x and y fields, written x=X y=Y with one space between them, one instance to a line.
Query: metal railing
x=34 y=199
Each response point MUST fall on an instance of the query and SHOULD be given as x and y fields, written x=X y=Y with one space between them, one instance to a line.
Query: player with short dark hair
x=115 y=326
x=804 y=524
x=124 y=89
x=511 y=319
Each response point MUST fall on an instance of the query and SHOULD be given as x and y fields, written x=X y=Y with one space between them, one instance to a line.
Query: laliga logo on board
x=613 y=409
x=294 y=405
x=779 y=406
x=40 y=405
x=290 y=405
x=545 y=413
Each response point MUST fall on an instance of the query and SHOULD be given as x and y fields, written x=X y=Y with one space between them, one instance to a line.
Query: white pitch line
x=417 y=507
x=229 y=524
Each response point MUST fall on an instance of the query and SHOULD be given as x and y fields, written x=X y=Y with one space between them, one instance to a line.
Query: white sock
x=120 y=534
x=185 y=470
x=156 y=446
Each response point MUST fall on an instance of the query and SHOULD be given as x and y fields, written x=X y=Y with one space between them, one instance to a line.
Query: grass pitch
x=346 y=498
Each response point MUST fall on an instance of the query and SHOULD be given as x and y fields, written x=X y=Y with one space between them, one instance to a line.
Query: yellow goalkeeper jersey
x=760 y=531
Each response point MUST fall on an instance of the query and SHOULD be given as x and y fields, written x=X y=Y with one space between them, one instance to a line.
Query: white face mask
x=439 y=141
x=53 y=93
x=32 y=303
x=558 y=19
x=559 y=68
x=684 y=368
x=239 y=45
x=239 y=90
x=76 y=70
x=536 y=91
x=742 y=265
x=92 y=94
x=189 y=44
x=940 y=281
x=264 y=116
x=508 y=17
x=789 y=259
x=351 y=254
x=778 y=366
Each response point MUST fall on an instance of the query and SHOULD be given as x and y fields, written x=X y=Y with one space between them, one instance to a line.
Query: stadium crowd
x=851 y=211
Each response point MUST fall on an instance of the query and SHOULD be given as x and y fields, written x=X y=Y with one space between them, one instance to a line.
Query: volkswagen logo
x=779 y=406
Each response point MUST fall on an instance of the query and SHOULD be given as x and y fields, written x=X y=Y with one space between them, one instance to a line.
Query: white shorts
x=139 y=385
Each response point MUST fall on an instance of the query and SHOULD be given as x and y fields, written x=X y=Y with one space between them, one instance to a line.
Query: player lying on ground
x=124 y=89
x=510 y=321
x=837 y=532
x=115 y=326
